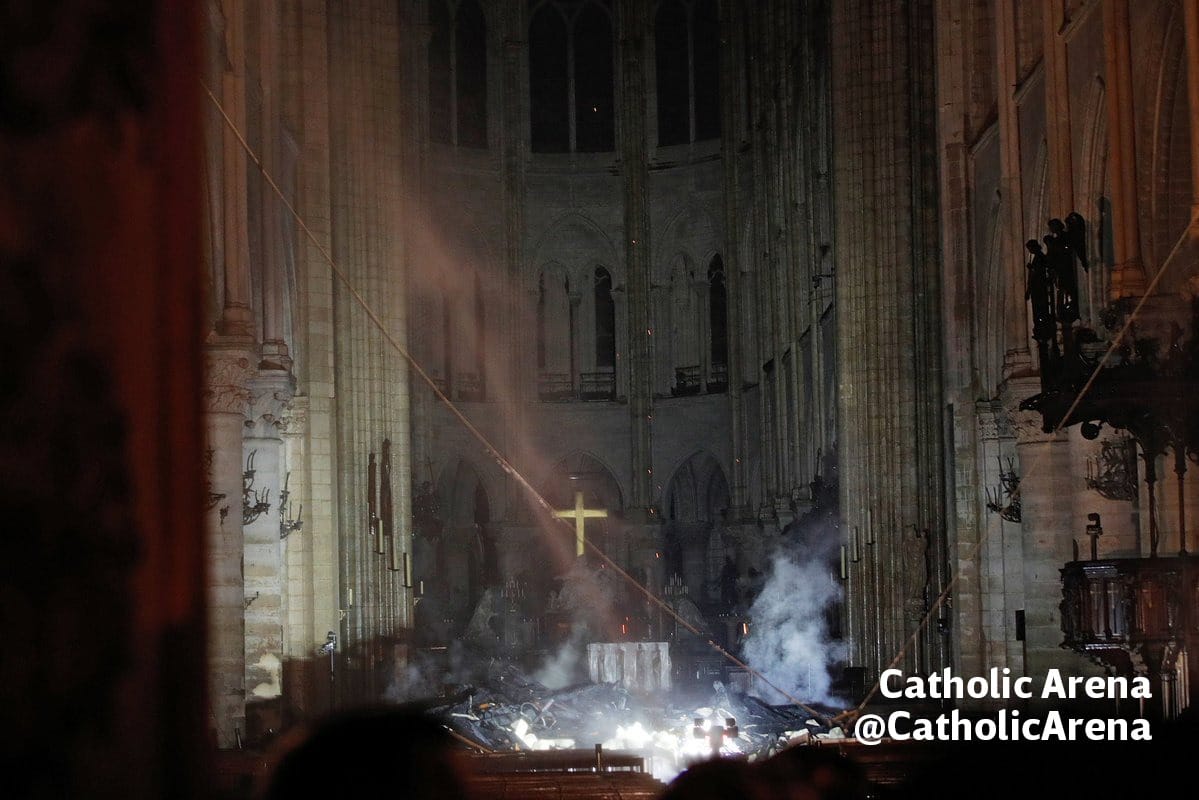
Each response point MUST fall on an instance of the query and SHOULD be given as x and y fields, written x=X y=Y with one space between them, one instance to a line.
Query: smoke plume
x=789 y=639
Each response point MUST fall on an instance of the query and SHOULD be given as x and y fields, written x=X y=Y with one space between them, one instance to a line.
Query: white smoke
x=789 y=639
x=587 y=597
x=562 y=668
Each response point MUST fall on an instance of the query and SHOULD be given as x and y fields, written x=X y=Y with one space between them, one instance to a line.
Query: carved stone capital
x=227 y=375
x=993 y=422
x=270 y=394
x=295 y=417
x=1027 y=427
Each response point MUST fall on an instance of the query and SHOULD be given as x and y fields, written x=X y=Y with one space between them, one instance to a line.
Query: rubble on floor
x=511 y=712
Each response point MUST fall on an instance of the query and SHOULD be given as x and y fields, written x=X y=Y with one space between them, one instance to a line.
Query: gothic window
x=548 y=82
x=571 y=76
x=458 y=73
x=671 y=46
x=605 y=320
x=555 y=336
x=705 y=48
x=718 y=303
x=595 y=130
x=687 y=50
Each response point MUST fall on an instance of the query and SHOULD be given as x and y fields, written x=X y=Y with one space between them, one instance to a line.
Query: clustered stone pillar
x=730 y=124
x=230 y=362
x=521 y=309
x=1047 y=503
x=237 y=318
x=226 y=395
x=263 y=566
x=368 y=243
x=1191 y=21
x=637 y=248
x=888 y=347
x=1128 y=278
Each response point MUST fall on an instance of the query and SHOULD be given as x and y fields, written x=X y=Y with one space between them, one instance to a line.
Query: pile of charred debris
x=509 y=711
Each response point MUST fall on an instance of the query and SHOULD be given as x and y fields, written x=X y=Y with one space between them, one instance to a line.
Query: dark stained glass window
x=571 y=77
x=470 y=42
x=595 y=128
x=705 y=37
x=549 y=83
x=673 y=64
x=458 y=73
x=439 y=72
x=687 y=60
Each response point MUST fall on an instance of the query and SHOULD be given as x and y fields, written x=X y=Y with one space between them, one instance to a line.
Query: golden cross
x=580 y=514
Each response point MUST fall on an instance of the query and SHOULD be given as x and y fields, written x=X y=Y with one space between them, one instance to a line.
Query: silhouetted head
x=376 y=752
x=1033 y=246
x=1056 y=225
x=821 y=773
x=717 y=779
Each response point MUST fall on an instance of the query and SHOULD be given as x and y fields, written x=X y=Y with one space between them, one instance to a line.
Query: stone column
x=313 y=596
x=521 y=360
x=730 y=139
x=275 y=354
x=226 y=397
x=1018 y=327
x=1047 y=494
x=997 y=575
x=1057 y=110
x=888 y=336
x=263 y=560
x=295 y=604
x=635 y=171
x=237 y=318
x=1128 y=277
x=368 y=202
x=1190 y=9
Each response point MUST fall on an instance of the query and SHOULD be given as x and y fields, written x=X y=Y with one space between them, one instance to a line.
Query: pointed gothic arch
x=578 y=243
x=698 y=490
x=468 y=555
x=693 y=508
x=591 y=475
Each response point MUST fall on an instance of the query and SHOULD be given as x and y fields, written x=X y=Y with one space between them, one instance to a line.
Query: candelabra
x=288 y=525
x=1004 y=499
x=212 y=498
x=254 y=502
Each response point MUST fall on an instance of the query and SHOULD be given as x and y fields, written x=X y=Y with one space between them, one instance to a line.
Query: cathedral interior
x=775 y=343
